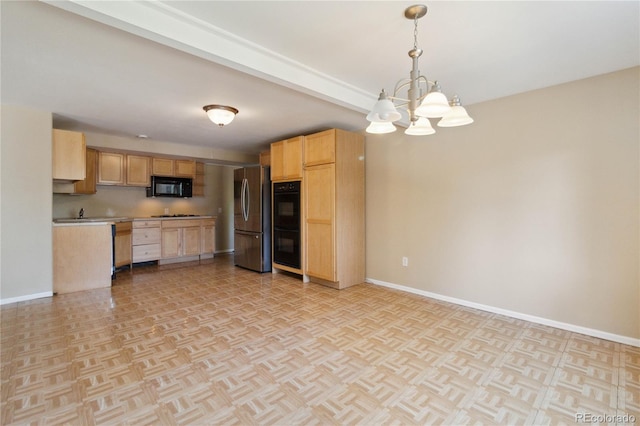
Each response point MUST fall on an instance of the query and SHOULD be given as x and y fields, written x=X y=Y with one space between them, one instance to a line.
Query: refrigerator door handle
x=242 y=198
x=247 y=203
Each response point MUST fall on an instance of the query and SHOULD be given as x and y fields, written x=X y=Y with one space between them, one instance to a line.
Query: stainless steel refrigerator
x=252 y=218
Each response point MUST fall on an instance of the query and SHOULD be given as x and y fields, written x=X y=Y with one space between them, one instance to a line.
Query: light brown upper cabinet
x=116 y=168
x=286 y=159
x=88 y=185
x=198 y=181
x=162 y=167
x=68 y=155
x=138 y=170
x=320 y=148
x=334 y=216
x=185 y=168
x=171 y=167
x=111 y=168
x=265 y=158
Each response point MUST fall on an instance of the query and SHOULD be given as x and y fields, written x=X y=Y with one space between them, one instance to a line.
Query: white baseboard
x=513 y=314
x=25 y=298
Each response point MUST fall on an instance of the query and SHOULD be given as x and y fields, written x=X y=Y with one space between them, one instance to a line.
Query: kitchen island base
x=82 y=257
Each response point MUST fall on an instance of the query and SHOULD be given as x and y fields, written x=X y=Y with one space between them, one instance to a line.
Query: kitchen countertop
x=90 y=220
x=105 y=220
x=173 y=217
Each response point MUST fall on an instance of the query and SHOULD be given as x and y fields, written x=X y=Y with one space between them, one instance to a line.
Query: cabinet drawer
x=146 y=236
x=208 y=222
x=146 y=252
x=146 y=224
x=180 y=223
x=123 y=227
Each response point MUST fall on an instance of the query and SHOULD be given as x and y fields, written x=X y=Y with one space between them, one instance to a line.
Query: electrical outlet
x=405 y=261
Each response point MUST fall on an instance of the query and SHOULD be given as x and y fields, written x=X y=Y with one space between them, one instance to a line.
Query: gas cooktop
x=176 y=215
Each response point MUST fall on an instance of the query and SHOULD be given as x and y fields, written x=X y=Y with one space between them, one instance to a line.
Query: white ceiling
x=290 y=67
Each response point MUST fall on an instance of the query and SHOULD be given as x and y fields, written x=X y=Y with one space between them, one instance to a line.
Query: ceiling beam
x=164 y=24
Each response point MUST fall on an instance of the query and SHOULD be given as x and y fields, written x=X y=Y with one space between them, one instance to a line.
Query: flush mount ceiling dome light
x=220 y=114
x=424 y=98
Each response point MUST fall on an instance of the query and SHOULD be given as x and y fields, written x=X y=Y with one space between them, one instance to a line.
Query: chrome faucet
x=81 y=213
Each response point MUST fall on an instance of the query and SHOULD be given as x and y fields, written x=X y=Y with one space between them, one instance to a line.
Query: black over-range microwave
x=162 y=186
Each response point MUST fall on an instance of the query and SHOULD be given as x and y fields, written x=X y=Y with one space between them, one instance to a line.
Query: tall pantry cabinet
x=334 y=217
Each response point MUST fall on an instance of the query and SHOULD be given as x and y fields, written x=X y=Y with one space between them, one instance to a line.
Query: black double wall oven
x=286 y=224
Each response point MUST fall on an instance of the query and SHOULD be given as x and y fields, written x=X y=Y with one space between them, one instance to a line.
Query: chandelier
x=424 y=98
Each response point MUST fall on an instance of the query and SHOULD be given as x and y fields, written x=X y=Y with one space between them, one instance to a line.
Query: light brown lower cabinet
x=173 y=239
x=180 y=237
x=122 y=244
x=145 y=240
x=208 y=245
x=81 y=257
x=320 y=222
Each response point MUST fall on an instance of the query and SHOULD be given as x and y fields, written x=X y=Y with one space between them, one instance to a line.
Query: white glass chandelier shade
x=384 y=110
x=220 y=114
x=420 y=127
x=457 y=116
x=381 y=127
x=434 y=105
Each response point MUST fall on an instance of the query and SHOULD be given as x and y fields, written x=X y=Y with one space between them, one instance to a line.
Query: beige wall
x=533 y=209
x=25 y=204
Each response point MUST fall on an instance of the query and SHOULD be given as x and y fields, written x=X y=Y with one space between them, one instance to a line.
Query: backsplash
x=115 y=201
x=132 y=201
x=128 y=201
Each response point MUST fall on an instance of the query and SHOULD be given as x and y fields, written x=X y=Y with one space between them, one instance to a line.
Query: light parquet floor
x=208 y=343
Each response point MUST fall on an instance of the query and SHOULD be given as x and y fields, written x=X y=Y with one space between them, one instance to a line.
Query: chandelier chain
x=415 y=32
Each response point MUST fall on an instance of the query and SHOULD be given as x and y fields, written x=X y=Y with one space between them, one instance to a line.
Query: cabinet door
x=286 y=159
x=293 y=158
x=185 y=168
x=191 y=241
x=320 y=148
x=122 y=244
x=171 y=242
x=277 y=158
x=138 y=170
x=111 y=168
x=208 y=244
x=88 y=185
x=320 y=247
x=265 y=158
x=68 y=155
x=198 y=181
x=162 y=167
